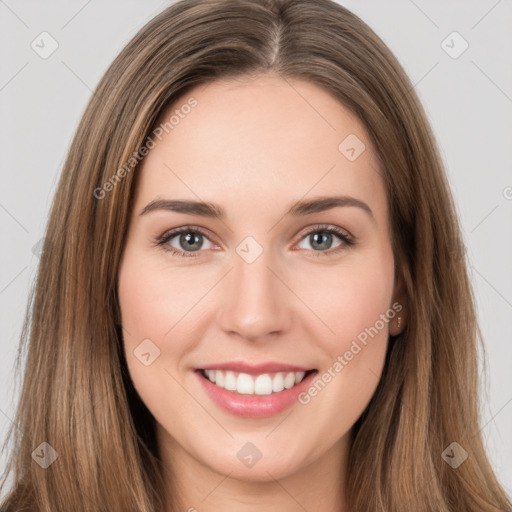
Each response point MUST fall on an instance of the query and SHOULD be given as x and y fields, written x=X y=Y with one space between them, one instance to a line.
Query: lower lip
x=254 y=406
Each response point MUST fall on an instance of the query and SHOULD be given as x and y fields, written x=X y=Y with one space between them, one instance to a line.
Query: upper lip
x=255 y=369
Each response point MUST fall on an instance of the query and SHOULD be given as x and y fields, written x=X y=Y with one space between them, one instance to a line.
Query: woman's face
x=264 y=290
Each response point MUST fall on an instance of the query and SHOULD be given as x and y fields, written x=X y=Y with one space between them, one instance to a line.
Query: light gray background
x=468 y=100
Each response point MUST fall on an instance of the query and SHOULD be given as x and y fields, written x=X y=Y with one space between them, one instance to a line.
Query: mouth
x=255 y=384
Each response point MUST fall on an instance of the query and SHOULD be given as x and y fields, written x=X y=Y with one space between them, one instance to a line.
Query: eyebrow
x=298 y=209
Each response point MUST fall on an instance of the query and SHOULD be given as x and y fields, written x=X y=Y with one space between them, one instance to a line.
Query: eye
x=188 y=240
x=320 y=239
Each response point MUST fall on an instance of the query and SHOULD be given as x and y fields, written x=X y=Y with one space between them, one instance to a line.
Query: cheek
x=158 y=309
x=365 y=296
x=154 y=308
x=151 y=304
x=356 y=307
x=349 y=302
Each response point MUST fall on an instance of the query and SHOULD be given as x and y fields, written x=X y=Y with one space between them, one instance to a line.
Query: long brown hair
x=76 y=393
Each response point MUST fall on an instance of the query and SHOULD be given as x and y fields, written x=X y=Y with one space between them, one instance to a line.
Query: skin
x=255 y=146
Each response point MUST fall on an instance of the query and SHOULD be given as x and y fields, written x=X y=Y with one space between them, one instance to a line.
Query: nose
x=256 y=301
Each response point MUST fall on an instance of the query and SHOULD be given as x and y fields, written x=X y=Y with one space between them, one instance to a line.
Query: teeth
x=289 y=381
x=299 y=376
x=230 y=381
x=278 y=383
x=263 y=384
x=219 y=378
x=246 y=384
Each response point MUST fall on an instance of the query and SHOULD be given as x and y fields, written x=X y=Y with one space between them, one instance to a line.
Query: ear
x=399 y=305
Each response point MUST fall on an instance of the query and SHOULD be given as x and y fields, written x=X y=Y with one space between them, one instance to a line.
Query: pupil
x=191 y=241
x=324 y=243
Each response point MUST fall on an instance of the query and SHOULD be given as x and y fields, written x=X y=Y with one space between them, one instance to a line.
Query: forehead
x=260 y=141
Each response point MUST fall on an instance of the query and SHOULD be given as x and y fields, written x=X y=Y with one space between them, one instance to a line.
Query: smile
x=252 y=390
x=262 y=384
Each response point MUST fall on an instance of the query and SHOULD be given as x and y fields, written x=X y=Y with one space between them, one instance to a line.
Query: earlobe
x=399 y=324
x=398 y=321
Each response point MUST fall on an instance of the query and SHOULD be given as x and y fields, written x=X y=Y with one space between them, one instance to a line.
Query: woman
x=248 y=297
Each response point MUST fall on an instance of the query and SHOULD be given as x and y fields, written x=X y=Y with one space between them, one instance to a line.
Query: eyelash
x=163 y=240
